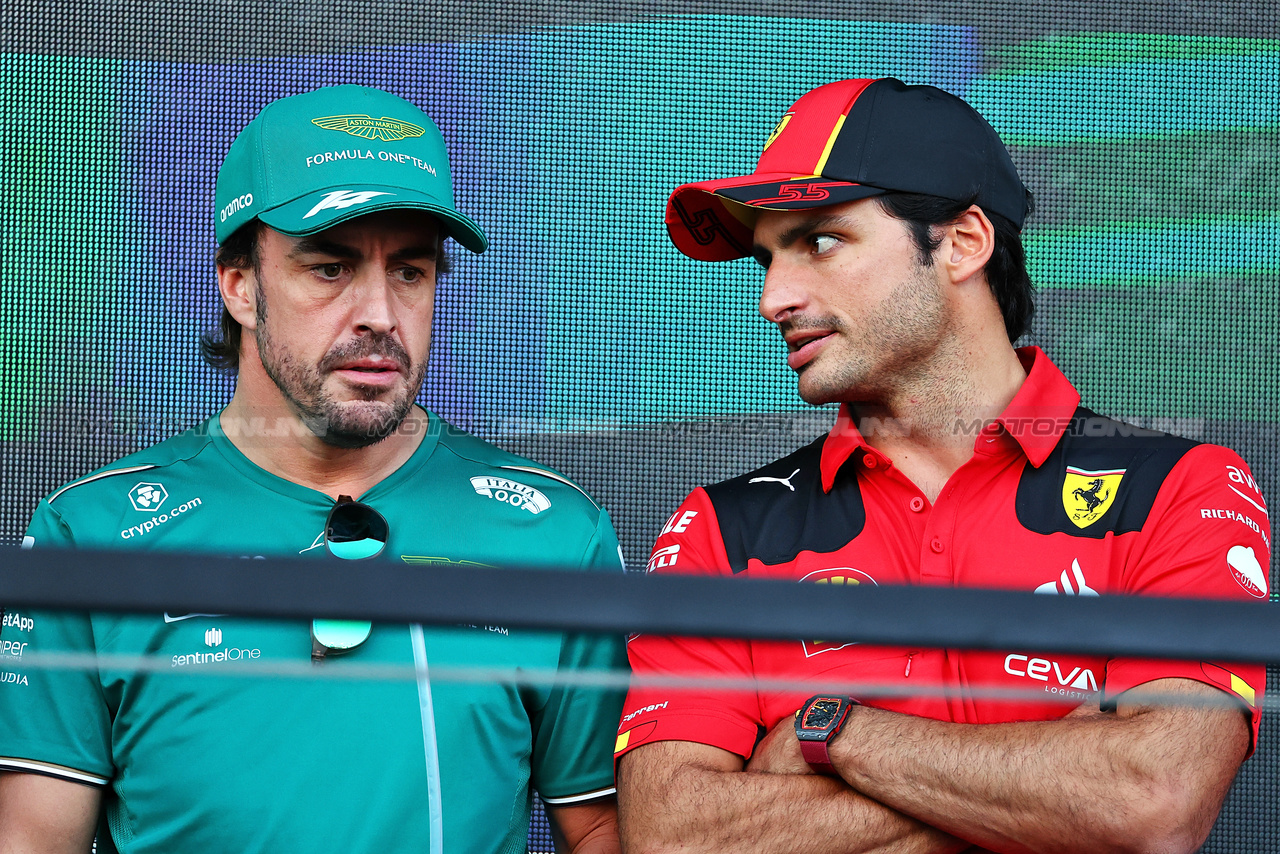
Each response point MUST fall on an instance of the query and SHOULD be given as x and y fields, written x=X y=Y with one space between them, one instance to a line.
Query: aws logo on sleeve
x=840 y=577
x=1088 y=495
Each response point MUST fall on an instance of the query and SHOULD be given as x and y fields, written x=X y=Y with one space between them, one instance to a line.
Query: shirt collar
x=844 y=439
x=1036 y=418
x=1042 y=409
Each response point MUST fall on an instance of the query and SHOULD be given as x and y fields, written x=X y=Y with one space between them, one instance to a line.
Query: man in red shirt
x=887 y=218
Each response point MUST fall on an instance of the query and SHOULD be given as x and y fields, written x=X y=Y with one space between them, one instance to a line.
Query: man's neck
x=925 y=427
x=275 y=439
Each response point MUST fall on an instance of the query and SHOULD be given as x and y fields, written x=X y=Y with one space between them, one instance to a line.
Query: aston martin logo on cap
x=385 y=128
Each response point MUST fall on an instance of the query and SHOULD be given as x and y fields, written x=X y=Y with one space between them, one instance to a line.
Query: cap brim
x=715 y=220
x=334 y=205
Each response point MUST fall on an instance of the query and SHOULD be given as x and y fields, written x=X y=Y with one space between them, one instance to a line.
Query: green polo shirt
x=197 y=760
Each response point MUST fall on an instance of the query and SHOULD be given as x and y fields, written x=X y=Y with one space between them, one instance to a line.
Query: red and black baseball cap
x=851 y=140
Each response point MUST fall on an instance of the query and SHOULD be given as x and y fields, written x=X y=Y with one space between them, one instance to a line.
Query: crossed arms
x=1149 y=777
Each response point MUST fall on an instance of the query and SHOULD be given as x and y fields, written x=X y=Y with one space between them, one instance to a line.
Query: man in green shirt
x=333 y=209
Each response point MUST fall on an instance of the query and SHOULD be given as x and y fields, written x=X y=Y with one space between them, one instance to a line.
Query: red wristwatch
x=817 y=722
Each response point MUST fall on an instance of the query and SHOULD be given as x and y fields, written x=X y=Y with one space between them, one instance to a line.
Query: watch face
x=820 y=714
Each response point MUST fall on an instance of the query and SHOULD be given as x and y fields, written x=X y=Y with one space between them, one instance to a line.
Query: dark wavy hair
x=1007 y=268
x=220 y=348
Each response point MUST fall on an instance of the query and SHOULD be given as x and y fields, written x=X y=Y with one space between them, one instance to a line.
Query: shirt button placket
x=934 y=565
x=935 y=560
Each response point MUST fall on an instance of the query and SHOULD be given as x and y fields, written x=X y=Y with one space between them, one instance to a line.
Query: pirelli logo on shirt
x=1088 y=495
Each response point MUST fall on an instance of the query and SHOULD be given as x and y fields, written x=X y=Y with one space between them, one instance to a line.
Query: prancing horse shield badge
x=1087 y=495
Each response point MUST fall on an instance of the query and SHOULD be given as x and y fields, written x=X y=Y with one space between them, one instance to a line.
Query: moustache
x=804 y=323
x=378 y=344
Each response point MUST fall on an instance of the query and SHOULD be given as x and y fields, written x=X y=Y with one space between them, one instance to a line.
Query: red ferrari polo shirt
x=1055 y=499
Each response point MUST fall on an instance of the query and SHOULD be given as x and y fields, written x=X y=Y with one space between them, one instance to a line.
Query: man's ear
x=239 y=290
x=967 y=244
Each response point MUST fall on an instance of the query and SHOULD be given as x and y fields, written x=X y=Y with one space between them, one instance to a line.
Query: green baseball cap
x=311 y=161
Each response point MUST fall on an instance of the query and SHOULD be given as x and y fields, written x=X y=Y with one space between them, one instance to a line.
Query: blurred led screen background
x=1149 y=133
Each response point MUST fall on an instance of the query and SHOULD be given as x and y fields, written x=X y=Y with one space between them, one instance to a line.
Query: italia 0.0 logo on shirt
x=511 y=492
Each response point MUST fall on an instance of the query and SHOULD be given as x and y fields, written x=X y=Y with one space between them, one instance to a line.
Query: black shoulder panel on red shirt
x=779 y=510
x=1092 y=450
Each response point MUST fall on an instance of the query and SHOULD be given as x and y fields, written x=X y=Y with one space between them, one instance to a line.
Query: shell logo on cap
x=385 y=128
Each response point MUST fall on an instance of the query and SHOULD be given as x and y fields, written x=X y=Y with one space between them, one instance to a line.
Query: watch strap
x=818 y=757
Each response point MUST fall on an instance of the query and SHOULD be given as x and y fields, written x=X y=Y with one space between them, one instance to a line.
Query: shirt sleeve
x=690 y=543
x=573 y=731
x=53 y=721
x=1208 y=537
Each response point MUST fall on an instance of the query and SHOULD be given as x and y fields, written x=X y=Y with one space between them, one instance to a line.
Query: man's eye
x=823 y=243
x=329 y=271
x=409 y=274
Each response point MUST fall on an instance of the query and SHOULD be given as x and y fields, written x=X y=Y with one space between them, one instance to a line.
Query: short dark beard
x=303 y=387
x=905 y=326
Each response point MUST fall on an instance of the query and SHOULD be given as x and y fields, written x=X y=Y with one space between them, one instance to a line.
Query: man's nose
x=374 y=308
x=783 y=293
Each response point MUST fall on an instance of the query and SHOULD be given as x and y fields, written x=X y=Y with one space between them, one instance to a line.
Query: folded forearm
x=697 y=810
x=1096 y=784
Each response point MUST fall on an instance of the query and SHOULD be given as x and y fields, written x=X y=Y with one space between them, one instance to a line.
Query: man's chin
x=817 y=387
x=817 y=393
x=356 y=435
x=351 y=440
x=359 y=424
